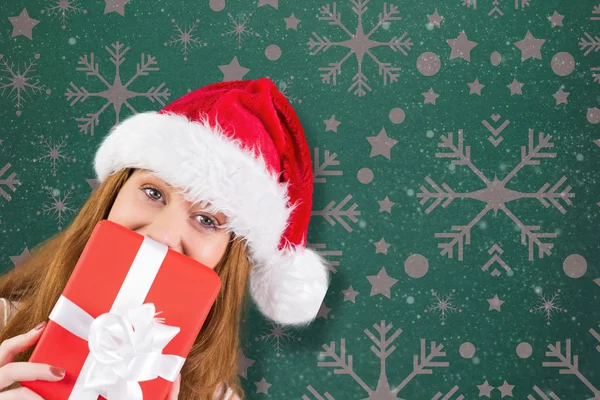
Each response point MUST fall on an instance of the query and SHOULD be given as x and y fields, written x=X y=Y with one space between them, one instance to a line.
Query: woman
x=222 y=175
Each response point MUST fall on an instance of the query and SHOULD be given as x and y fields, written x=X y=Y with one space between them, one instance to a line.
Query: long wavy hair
x=38 y=282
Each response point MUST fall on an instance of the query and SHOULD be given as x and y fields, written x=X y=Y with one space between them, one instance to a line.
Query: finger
x=21 y=393
x=26 y=371
x=13 y=346
x=174 y=392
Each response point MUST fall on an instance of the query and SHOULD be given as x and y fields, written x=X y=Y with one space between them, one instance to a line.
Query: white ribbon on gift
x=126 y=343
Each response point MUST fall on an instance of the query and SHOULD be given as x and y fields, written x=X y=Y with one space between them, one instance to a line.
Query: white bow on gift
x=128 y=350
x=125 y=349
x=126 y=344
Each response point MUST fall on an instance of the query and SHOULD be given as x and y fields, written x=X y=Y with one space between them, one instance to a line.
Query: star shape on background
x=430 y=96
x=243 y=364
x=350 y=294
x=515 y=87
x=506 y=389
x=495 y=303
x=461 y=47
x=94 y=183
x=435 y=19
x=233 y=71
x=323 y=311
x=381 y=283
x=530 y=47
x=291 y=22
x=272 y=3
x=331 y=124
x=485 y=389
x=475 y=87
x=561 y=97
x=21 y=258
x=22 y=24
x=115 y=6
x=556 y=19
x=381 y=246
x=385 y=205
x=381 y=144
x=262 y=386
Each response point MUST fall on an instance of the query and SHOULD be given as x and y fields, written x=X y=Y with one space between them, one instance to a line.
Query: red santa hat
x=237 y=147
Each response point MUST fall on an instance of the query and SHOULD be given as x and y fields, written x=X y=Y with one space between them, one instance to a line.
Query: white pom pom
x=291 y=287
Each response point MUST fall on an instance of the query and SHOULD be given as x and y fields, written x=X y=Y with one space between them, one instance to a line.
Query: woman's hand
x=11 y=372
x=174 y=393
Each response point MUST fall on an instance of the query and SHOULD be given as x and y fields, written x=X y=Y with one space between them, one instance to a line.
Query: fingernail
x=39 y=326
x=56 y=371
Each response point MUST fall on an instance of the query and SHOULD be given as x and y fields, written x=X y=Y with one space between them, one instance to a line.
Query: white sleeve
x=4 y=311
x=230 y=395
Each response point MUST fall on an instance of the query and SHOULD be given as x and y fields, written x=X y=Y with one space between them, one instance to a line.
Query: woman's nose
x=166 y=228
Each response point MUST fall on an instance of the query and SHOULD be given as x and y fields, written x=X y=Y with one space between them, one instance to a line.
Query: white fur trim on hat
x=208 y=166
x=213 y=170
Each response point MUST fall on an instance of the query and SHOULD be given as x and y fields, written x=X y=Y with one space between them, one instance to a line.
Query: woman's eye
x=206 y=221
x=153 y=193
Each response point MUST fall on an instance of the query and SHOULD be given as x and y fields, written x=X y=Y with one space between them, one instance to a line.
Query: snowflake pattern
x=548 y=305
x=54 y=153
x=595 y=13
x=596 y=74
x=496 y=10
x=443 y=305
x=118 y=93
x=321 y=249
x=430 y=357
x=63 y=8
x=568 y=364
x=240 y=28
x=278 y=335
x=7 y=182
x=333 y=215
x=285 y=87
x=495 y=195
x=58 y=206
x=20 y=82
x=184 y=37
x=596 y=336
x=589 y=43
x=320 y=167
x=360 y=44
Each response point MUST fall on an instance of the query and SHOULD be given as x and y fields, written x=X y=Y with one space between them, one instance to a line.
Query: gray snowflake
x=495 y=8
x=277 y=335
x=7 y=182
x=495 y=194
x=360 y=44
x=443 y=305
x=240 y=28
x=20 y=82
x=430 y=356
x=63 y=8
x=117 y=93
x=184 y=38
x=285 y=87
x=54 y=153
x=548 y=305
x=58 y=206
x=567 y=363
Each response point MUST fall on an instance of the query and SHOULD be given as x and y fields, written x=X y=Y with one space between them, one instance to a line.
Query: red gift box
x=131 y=299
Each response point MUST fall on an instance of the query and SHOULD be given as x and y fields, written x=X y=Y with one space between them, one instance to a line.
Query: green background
x=431 y=297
